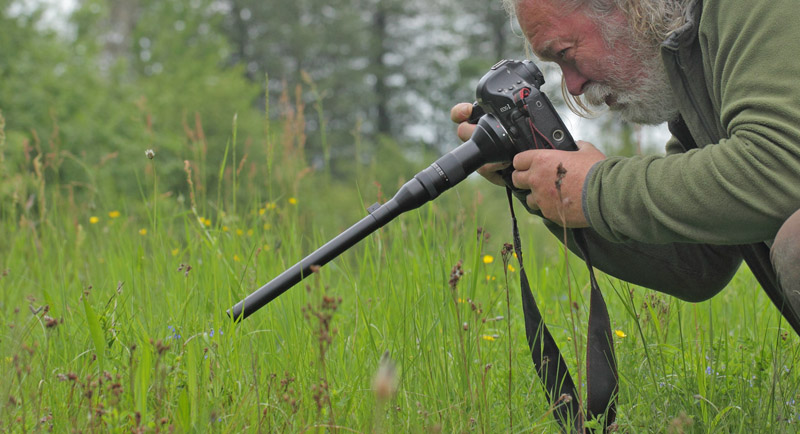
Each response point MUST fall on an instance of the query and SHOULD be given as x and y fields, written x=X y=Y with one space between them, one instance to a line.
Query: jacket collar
x=686 y=33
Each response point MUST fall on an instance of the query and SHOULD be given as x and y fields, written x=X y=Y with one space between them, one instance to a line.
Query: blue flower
x=175 y=334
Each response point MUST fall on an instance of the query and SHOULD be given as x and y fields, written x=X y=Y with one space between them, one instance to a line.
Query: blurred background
x=93 y=83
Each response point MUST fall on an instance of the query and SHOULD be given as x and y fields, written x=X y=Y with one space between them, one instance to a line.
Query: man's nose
x=574 y=80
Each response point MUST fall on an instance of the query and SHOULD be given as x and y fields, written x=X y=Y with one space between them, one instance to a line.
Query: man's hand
x=460 y=114
x=538 y=171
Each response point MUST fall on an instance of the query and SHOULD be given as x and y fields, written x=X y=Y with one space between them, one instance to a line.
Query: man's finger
x=518 y=179
x=465 y=131
x=460 y=112
x=522 y=161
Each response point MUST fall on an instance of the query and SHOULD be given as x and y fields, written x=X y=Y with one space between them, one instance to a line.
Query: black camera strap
x=601 y=365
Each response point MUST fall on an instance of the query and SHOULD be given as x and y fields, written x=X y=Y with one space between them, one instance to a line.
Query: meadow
x=113 y=308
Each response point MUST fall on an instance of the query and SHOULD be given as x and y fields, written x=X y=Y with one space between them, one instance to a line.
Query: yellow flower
x=207 y=222
x=488 y=338
x=293 y=201
x=270 y=205
x=266 y=247
x=262 y=211
x=224 y=229
x=267 y=226
x=142 y=231
x=488 y=259
x=489 y=278
x=250 y=232
x=620 y=333
x=511 y=268
x=94 y=220
x=236 y=258
x=239 y=232
x=114 y=214
x=175 y=252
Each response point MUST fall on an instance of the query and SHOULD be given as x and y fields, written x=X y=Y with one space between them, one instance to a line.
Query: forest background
x=116 y=77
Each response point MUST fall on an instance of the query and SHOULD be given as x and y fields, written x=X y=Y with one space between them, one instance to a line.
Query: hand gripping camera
x=512 y=116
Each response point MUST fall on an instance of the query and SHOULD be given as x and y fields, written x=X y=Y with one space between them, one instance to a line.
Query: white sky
x=55 y=10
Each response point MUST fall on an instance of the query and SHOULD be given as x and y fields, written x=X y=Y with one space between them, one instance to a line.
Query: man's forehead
x=538 y=17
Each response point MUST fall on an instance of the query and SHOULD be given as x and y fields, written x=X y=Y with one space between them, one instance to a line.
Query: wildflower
x=489 y=278
x=142 y=231
x=239 y=232
x=150 y=154
x=250 y=232
x=224 y=229
x=488 y=259
x=267 y=226
x=506 y=251
x=270 y=205
x=265 y=247
x=292 y=201
x=511 y=268
x=207 y=222
x=455 y=275
x=174 y=333
x=175 y=252
x=262 y=211
x=114 y=214
x=489 y=338
x=185 y=268
x=236 y=258
x=94 y=220
x=620 y=334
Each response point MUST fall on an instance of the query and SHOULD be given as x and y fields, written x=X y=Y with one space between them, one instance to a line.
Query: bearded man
x=725 y=78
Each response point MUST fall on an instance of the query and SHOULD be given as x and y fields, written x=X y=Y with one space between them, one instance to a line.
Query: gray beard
x=647 y=100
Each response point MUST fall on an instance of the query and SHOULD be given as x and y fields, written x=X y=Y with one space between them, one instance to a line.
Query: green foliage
x=90 y=109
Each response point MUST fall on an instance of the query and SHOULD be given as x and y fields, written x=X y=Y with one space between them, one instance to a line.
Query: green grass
x=119 y=325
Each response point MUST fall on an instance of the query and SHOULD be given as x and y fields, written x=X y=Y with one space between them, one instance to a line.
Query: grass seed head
x=385 y=382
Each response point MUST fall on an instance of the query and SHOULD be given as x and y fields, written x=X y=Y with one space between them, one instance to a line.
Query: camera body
x=521 y=117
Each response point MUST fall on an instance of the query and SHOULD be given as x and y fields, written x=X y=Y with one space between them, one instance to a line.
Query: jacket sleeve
x=742 y=188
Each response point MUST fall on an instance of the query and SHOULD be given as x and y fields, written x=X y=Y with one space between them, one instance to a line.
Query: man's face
x=614 y=68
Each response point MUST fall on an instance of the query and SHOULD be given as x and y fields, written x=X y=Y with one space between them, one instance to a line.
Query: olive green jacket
x=681 y=223
x=735 y=69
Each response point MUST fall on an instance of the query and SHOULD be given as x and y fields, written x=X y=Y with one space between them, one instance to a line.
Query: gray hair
x=653 y=20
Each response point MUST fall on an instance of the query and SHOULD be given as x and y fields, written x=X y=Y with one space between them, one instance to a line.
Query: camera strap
x=601 y=365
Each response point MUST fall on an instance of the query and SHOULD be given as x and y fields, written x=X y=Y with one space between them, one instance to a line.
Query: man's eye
x=563 y=53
